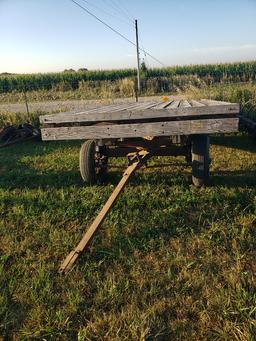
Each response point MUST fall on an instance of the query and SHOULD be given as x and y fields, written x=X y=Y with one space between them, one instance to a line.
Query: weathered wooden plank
x=143 y=114
x=118 y=107
x=205 y=126
x=163 y=105
x=196 y=103
x=73 y=112
x=126 y=106
x=102 y=109
x=109 y=108
x=174 y=105
x=145 y=105
x=184 y=104
x=212 y=102
x=97 y=109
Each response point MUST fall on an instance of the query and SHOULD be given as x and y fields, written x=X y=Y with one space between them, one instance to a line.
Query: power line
x=103 y=22
x=122 y=11
x=117 y=9
x=130 y=17
x=110 y=14
x=114 y=30
x=126 y=10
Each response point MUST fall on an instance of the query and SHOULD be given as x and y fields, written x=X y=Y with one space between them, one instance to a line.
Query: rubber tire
x=87 y=163
x=200 y=160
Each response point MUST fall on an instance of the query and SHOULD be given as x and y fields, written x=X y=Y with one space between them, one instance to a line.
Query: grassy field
x=171 y=262
x=122 y=83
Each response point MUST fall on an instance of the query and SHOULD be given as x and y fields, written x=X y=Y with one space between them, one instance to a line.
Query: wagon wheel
x=93 y=164
x=200 y=160
x=188 y=156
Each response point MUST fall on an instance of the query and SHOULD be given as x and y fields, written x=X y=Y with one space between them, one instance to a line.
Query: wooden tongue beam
x=137 y=160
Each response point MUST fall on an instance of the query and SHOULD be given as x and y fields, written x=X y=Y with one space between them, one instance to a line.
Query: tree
x=83 y=69
x=69 y=70
x=143 y=67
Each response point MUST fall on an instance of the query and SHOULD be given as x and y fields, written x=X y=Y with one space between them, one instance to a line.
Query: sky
x=53 y=35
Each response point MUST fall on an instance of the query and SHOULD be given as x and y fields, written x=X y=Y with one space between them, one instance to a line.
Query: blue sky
x=52 y=35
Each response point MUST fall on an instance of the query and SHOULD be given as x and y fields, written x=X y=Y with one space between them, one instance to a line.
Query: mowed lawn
x=171 y=262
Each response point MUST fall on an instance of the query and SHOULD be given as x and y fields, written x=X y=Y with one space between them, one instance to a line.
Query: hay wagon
x=139 y=131
x=177 y=127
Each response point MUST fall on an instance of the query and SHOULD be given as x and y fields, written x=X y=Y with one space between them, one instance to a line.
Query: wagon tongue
x=136 y=161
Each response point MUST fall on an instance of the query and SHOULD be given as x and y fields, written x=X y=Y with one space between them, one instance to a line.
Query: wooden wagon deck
x=175 y=117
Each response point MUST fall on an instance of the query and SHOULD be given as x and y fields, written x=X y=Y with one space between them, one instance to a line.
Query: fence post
x=26 y=102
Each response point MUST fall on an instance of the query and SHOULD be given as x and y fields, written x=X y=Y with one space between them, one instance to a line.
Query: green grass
x=170 y=262
x=20 y=118
x=245 y=94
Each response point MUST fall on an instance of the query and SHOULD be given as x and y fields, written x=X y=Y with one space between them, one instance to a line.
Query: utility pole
x=138 y=60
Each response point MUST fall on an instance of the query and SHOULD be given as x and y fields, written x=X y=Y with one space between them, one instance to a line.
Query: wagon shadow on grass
x=241 y=141
x=32 y=179
x=15 y=173
x=37 y=148
x=229 y=179
x=233 y=179
x=29 y=177
x=57 y=180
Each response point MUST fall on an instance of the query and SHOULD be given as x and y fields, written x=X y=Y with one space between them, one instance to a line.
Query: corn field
x=165 y=79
